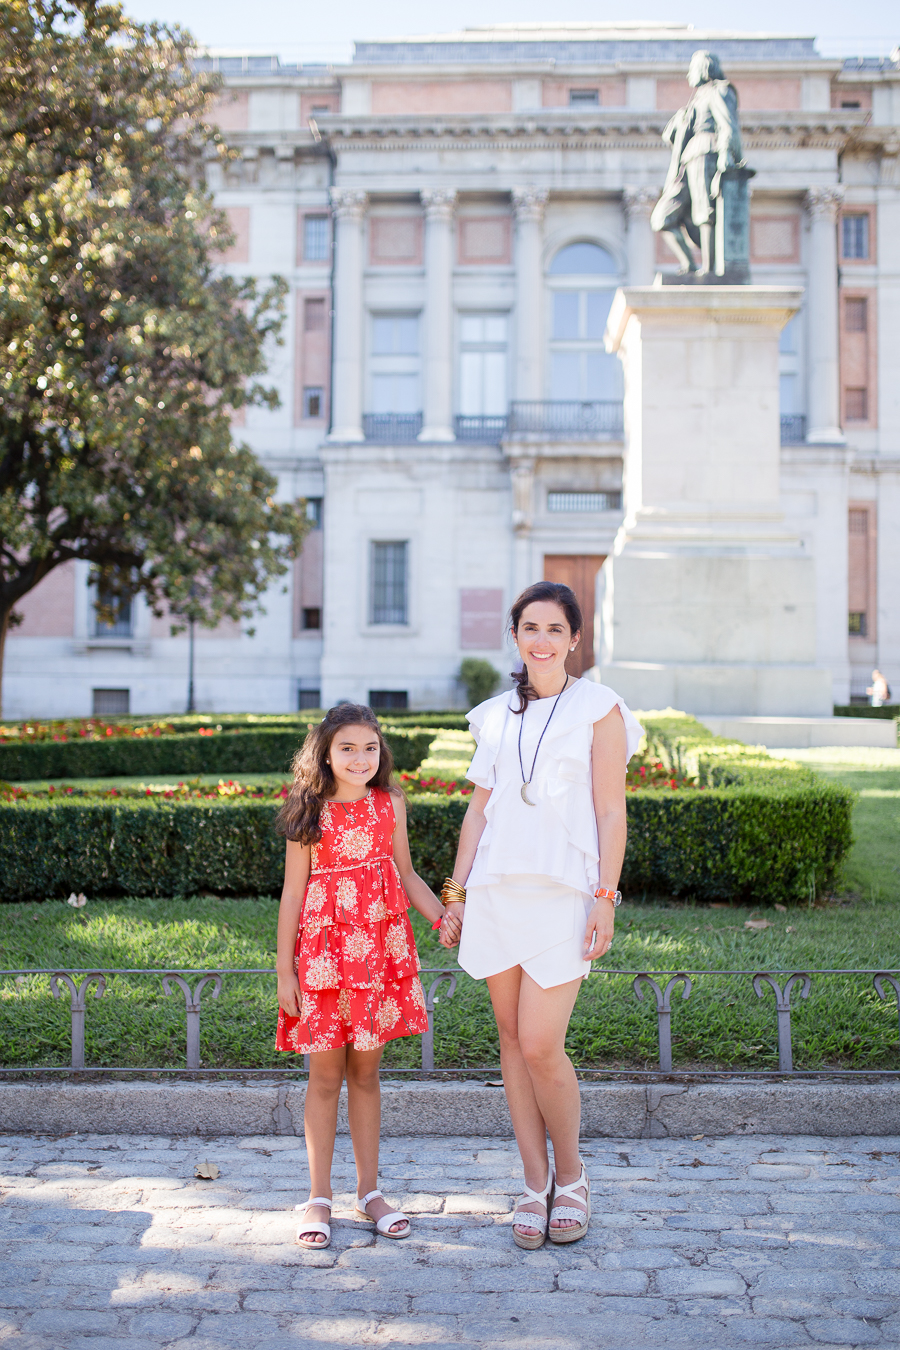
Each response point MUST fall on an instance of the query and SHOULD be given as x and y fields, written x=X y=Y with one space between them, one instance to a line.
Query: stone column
x=638 y=203
x=440 y=204
x=349 y=206
x=823 y=413
x=529 y=203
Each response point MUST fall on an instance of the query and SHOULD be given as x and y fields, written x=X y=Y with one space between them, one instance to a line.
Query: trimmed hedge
x=760 y=843
x=255 y=750
x=887 y=711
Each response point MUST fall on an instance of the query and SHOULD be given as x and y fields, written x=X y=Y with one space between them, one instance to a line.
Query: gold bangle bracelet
x=452 y=893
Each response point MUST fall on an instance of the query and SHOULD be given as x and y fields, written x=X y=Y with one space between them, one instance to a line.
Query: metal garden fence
x=662 y=984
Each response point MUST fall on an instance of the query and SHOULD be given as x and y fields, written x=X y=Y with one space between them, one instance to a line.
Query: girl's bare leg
x=543 y=1019
x=528 y=1121
x=326 y=1074
x=364 y=1111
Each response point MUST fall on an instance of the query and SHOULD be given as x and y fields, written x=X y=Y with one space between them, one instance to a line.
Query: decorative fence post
x=430 y=1000
x=783 y=1004
x=79 y=994
x=192 y=1007
x=879 y=982
x=663 y=1012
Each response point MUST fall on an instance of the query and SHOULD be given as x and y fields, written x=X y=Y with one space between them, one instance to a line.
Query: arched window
x=582 y=278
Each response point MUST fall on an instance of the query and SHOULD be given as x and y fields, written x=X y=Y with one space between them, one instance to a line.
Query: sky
x=326 y=32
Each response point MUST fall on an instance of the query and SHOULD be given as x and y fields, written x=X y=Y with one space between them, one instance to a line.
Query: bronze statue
x=705 y=137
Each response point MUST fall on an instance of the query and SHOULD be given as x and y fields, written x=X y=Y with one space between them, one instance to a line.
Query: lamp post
x=190 y=698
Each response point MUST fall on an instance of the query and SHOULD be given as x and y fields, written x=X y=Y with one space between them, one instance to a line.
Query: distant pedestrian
x=879 y=690
x=540 y=853
x=347 y=964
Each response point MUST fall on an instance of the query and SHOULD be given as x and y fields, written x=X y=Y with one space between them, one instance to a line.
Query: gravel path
x=109 y=1243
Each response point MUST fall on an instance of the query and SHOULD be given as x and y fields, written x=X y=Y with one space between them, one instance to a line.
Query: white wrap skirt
x=535 y=923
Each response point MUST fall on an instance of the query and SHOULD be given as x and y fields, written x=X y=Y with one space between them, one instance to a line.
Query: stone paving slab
x=107 y=1242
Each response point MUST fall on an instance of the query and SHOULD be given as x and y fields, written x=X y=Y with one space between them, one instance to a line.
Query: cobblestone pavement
x=109 y=1243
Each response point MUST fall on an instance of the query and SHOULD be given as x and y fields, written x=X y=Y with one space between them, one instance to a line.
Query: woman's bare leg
x=543 y=1019
x=528 y=1121
x=326 y=1074
x=364 y=1111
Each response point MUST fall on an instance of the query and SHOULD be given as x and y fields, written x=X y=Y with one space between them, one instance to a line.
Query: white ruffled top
x=556 y=838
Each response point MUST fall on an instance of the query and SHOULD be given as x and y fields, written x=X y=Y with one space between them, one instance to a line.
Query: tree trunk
x=4 y=629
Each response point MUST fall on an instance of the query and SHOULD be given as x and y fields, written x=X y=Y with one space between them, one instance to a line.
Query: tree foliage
x=126 y=350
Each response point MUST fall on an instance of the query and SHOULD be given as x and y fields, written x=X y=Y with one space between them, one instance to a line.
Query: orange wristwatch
x=604 y=893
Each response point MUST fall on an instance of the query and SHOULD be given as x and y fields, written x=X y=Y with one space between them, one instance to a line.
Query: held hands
x=289 y=996
x=601 y=921
x=451 y=925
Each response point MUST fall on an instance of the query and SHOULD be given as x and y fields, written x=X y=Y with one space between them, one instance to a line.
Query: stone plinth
x=707 y=601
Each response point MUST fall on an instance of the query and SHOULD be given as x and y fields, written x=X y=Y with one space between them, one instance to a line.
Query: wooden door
x=578 y=571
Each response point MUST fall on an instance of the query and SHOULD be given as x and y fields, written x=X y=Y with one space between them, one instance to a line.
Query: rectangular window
x=111 y=702
x=482 y=365
x=312 y=620
x=389 y=583
x=308 y=699
x=314 y=512
x=855 y=237
x=787 y=341
x=788 y=391
x=856 y=314
x=581 y=98
x=584 y=501
x=856 y=623
x=860 y=570
x=856 y=405
x=395 y=335
x=316 y=238
x=314 y=316
x=313 y=401
x=388 y=700
x=112 y=616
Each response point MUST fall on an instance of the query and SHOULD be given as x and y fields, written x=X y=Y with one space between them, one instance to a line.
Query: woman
x=534 y=885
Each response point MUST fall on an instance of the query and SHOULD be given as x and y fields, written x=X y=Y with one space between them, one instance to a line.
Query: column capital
x=349 y=203
x=439 y=203
x=824 y=201
x=529 y=203
x=639 y=202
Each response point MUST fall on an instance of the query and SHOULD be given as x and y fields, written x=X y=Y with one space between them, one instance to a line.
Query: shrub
x=763 y=842
x=887 y=710
x=479 y=678
x=256 y=750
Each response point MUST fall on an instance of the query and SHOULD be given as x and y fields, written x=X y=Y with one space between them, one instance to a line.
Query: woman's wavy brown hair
x=557 y=594
x=314 y=782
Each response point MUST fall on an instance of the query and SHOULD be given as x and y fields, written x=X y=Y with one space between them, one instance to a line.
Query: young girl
x=347 y=963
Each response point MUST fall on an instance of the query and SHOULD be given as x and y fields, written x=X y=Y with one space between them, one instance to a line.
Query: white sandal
x=526 y=1219
x=383 y=1225
x=324 y=1228
x=583 y=1216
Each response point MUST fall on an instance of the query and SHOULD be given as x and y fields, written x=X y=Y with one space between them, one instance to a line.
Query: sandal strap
x=568 y=1212
x=524 y=1218
x=387 y=1220
x=573 y=1187
x=363 y=1200
x=540 y=1197
x=322 y=1228
x=316 y=1200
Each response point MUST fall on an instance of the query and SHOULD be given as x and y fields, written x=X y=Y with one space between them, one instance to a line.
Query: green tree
x=479 y=678
x=126 y=351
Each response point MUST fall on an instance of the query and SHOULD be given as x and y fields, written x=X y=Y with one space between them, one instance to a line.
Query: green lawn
x=842 y=1024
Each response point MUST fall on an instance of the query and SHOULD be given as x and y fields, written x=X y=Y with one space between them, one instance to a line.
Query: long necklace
x=526 y=782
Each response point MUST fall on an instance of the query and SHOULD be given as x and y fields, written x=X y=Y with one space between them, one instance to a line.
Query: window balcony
x=486 y=430
x=793 y=428
x=567 y=418
x=392 y=428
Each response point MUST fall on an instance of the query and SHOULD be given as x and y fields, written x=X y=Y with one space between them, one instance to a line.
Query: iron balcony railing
x=399 y=428
x=661 y=984
x=487 y=430
x=793 y=428
x=568 y=418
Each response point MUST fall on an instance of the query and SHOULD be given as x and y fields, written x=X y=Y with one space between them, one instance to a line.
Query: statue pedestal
x=707 y=602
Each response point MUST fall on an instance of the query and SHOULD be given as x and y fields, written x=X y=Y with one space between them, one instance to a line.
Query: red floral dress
x=356 y=956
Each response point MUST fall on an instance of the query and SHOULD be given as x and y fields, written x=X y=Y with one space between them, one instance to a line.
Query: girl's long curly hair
x=314 y=781
x=557 y=594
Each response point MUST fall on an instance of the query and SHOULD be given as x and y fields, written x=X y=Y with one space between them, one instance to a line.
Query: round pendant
x=524 y=792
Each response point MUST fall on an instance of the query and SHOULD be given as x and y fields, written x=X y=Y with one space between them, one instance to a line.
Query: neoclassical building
x=454 y=215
